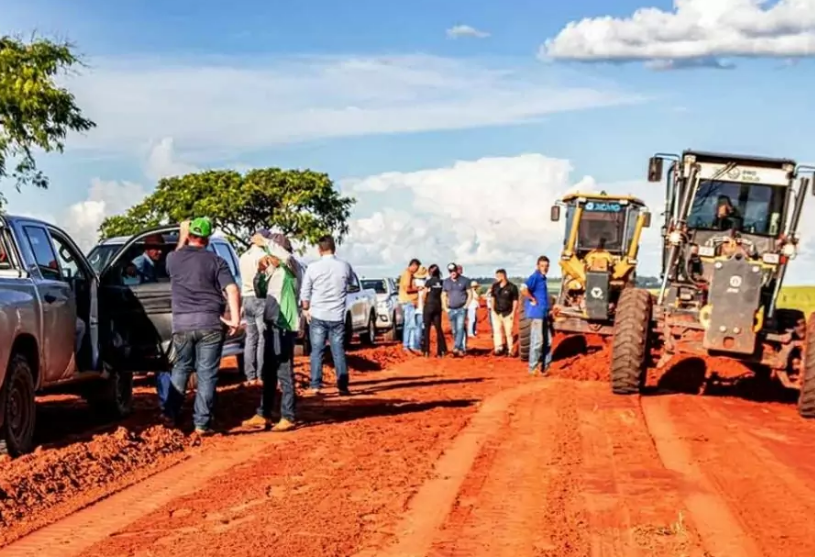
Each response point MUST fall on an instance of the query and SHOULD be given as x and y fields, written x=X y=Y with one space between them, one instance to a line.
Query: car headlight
x=384 y=305
x=675 y=237
x=789 y=250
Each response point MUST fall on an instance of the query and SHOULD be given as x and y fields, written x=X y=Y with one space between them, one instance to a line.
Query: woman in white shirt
x=472 y=310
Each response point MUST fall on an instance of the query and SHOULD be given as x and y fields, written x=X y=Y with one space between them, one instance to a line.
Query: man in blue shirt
x=323 y=295
x=148 y=265
x=536 y=309
x=456 y=295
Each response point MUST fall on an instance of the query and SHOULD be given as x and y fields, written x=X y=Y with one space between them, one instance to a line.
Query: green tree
x=35 y=113
x=300 y=203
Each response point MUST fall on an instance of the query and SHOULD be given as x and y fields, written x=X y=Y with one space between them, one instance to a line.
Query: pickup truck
x=360 y=316
x=156 y=295
x=389 y=314
x=55 y=331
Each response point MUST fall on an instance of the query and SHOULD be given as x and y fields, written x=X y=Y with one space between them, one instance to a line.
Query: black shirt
x=433 y=295
x=503 y=298
x=198 y=278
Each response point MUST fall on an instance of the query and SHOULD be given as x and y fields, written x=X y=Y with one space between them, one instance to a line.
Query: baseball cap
x=452 y=267
x=201 y=227
x=265 y=232
x=474 y=283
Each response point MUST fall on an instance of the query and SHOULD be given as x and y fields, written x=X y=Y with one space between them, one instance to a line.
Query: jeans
x=253 y=352
x=411 y=333
x=334 y=331
x=198 y=351
x=278 y=365
x=540 y=344
x=472 y=318
x=432 y=318
x=457 y=325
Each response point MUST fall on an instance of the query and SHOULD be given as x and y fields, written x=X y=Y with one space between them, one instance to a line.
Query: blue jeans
x=198 y=351
x=253 y=351
x=456 y=317
x=472 y=318
x=334 y=331
x=540 y=344
x=412 y=332
x=278 y=365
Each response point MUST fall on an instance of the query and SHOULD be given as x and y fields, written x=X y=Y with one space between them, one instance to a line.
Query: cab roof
x=603 y=197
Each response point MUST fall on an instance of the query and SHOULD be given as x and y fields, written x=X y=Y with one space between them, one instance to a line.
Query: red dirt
x=470 y=457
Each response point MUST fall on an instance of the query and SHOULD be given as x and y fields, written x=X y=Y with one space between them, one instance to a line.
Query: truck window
x=43 y=251
x=68 y=258
x=224 y=251
x=5 y=258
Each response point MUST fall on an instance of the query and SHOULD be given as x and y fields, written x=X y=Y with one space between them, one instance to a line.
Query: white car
x=389 y=314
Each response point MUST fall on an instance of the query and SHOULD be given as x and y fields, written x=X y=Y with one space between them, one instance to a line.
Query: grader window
x=601 y=230
x=747 y=208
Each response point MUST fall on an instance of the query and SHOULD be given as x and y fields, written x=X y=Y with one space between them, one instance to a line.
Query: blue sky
x=362 y=89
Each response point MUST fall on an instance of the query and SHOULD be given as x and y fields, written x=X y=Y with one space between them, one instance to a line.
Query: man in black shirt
x=431 y=312
x=504 y=306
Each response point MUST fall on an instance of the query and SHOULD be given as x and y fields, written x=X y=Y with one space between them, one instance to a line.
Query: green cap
x=201 y=227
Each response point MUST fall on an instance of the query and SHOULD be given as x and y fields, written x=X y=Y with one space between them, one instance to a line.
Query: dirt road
x=462 y=457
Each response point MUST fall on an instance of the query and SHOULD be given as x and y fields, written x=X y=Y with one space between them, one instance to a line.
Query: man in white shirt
x=323 y=297
x=253 y=308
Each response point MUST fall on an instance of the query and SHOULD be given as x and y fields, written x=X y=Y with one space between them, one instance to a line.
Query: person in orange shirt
x=409 y=298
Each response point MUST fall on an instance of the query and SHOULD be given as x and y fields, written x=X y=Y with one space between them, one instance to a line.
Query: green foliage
x=300 y=203
x=34 y=111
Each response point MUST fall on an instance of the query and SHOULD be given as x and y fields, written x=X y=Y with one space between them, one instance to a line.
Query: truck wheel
x=369 y=336
x=631 y=341
x=806 y=400
x=112 y=397
x=349 y=332
x=18 y=408
x=524 y=335
x=392 y=334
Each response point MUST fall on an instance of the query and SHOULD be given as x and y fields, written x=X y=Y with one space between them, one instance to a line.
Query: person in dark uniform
x=432 y=310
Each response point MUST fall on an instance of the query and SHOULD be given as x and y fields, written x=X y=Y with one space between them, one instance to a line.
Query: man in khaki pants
x=505 y=298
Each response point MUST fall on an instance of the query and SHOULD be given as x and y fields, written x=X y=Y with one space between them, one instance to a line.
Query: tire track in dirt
x=771 y=499
x=570 y=471
x=83 y=529
x=721 y=531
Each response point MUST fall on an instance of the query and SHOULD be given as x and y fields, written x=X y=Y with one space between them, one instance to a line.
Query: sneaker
x=313 y=392
x=256 y=422
x=284 y=425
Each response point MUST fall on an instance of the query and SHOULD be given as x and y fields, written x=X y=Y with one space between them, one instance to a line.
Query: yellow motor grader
x=599 y=258
x=598 y=262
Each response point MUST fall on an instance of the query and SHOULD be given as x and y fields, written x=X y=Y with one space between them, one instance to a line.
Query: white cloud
x=162 y=162
x=695 y=30
x=484 y=214
x=229 y=105
x=105 y=198
x=459 y=31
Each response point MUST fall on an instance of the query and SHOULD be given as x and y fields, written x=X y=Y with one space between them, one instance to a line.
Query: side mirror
x=646 y=221
x=353 y=288
x=555 y=213
x=655 y=169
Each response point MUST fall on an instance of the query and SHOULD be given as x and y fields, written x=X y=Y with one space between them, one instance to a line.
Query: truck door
x=58 y=305
x=136 y=308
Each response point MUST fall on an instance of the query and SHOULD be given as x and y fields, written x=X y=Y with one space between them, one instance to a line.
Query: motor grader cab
x=730 y=232
x=598 y=260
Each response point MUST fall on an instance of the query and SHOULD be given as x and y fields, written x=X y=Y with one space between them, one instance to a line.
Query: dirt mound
x=589 y=364
x=49 y=478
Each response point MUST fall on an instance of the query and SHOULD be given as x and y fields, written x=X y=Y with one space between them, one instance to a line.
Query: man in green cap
x=198 y=280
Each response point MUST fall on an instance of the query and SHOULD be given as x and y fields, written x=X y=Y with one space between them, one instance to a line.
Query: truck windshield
x=377 y=285
x=100 y=256
x=747 y=208
x=601 y=229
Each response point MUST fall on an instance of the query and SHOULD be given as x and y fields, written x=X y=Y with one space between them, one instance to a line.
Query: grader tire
x=631 y=340
x=806 y=400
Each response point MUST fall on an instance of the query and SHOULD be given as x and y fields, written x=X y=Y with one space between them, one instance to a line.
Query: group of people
x=277 y=292
x=424 y=296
